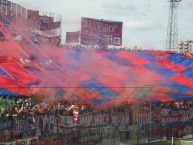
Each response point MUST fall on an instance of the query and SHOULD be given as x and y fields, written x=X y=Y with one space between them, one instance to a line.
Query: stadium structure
x=57 y=95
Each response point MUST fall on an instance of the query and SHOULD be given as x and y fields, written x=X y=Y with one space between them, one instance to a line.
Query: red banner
x=72 y=37
x=33 y=15
x=49 y=39
x=46 y=19
x=45 y=26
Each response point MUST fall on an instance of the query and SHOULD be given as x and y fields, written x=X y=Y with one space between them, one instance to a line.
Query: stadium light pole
x=172 y=30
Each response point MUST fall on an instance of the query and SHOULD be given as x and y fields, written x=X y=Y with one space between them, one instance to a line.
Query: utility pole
x=172 y=30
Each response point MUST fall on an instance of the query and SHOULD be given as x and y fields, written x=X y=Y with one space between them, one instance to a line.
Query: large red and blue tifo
x=106 y=76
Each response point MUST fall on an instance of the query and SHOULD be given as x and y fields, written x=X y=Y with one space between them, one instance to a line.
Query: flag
x=93 y=29
x=44 y=26
x=74 y=108
x=33 y=15
x=103 y=42
x=48 y=39
x=46 y=19
x=75 y=115
x=72 y=37
x=117 y=41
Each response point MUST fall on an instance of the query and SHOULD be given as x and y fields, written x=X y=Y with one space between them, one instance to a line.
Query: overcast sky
x=144 y=21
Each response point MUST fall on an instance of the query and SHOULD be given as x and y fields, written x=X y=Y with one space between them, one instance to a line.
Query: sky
x=144 y=21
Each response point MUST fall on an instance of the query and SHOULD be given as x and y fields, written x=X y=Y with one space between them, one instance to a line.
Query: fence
x=118 y=125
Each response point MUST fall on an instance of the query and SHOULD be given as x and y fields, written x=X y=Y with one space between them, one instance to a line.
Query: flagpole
x=150 y=122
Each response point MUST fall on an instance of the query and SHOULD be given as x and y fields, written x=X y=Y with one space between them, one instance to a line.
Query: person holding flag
x=75 y=111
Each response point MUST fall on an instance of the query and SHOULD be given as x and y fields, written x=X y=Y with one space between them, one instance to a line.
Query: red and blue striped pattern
x=111 y=76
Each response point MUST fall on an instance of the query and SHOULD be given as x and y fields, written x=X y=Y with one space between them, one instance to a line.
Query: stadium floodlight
x=172 y=30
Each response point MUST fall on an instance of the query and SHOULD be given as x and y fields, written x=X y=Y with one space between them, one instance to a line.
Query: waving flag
x=44 y=26
x=94 y=30
x=48 y=39
x=72 y=37
x=33 y=15
x=46 y=19
x=74 y=108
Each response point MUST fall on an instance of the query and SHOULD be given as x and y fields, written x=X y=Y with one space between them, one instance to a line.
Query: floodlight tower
x=172 y=30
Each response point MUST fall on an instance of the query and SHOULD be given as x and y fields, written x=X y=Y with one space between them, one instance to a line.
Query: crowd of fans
x=19 y=107
x=12 y=108
x=178 y=114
